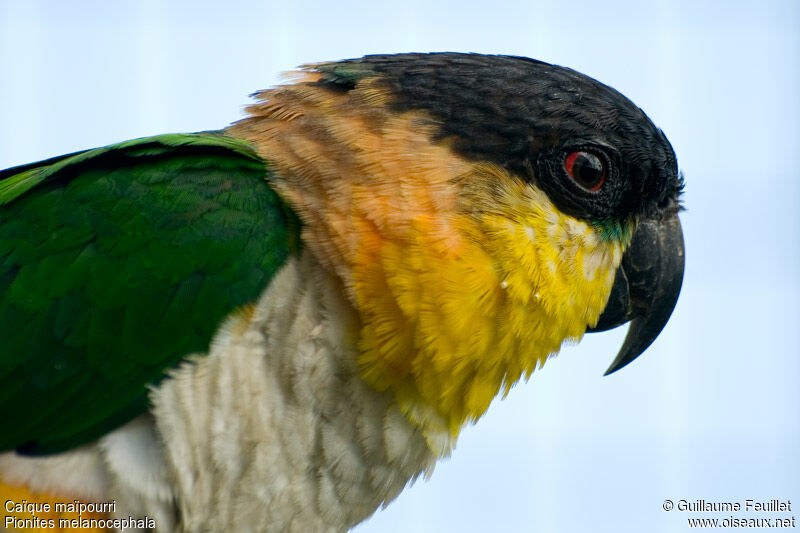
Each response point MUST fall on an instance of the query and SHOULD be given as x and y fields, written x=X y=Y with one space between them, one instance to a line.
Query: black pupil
x=587 y=170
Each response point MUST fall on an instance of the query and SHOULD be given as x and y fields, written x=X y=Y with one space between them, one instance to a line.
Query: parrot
x=279 y=325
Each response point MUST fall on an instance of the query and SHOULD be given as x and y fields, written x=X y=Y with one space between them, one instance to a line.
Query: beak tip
x=622 y=360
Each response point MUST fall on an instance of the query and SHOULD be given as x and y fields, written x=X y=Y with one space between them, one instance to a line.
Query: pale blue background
x=710 y=411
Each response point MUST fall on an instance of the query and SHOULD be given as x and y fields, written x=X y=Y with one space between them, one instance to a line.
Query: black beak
x=646 y=288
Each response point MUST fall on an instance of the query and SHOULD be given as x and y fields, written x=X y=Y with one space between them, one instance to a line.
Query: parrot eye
x=586 y=169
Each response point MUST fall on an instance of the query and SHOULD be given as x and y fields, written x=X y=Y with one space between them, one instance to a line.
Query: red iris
x=586 y=169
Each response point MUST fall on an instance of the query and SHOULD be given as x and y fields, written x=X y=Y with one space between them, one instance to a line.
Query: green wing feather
x=116 y=263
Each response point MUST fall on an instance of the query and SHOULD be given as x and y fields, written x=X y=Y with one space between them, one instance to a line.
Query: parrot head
x=479 y=210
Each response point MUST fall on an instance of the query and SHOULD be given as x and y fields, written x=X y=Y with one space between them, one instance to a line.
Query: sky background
x=709 y=412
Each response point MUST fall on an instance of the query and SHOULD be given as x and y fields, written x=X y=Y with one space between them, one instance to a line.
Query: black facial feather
x=528 y=116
